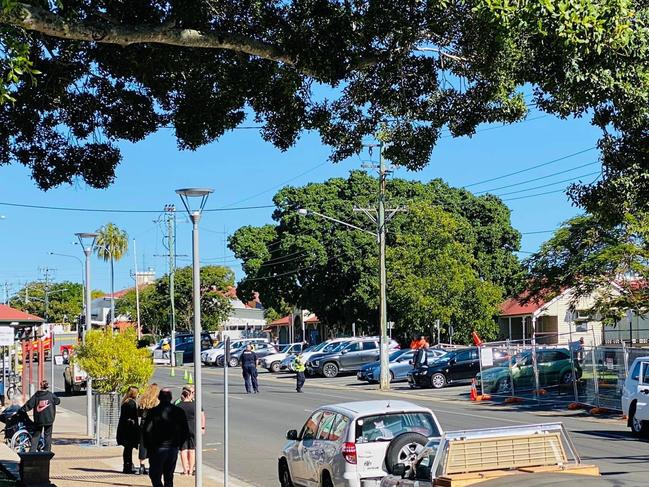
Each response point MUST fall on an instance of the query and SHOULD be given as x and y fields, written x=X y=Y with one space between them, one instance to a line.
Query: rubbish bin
x=179 y=358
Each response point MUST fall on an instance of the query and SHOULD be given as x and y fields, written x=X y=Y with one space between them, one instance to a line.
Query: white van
x=635 y=397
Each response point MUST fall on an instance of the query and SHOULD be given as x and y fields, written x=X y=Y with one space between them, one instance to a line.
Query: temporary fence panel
x=107 y=410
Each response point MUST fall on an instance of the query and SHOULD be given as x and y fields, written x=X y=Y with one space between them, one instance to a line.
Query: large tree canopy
x=448 y=241
x=84 y=75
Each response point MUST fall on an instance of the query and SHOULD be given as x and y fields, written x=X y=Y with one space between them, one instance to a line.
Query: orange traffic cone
x=476 y=339
x=474 y=391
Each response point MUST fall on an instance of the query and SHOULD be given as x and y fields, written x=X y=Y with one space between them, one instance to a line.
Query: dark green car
x=553 y=365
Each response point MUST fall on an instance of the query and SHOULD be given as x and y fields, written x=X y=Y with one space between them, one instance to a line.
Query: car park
x=635 y=397
x=272 y=362
x=348 y=357
x=457 y=366
x=261 y=350
x=553 y=365
x=355 y=444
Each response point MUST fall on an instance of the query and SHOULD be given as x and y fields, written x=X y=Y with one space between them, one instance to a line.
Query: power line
x=549 y=184
x=530 y=168
x=547 y=192
x=114 y=210
x=536 y=179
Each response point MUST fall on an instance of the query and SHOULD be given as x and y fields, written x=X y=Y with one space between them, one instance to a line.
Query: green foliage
x=594 y=257
x=333 y=271
x=155 y=305
x=113 y=361
x=65 y=300
x=383 y=61
x=435 y=275
x=111 y=241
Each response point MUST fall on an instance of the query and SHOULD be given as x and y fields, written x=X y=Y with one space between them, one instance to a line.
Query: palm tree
x=111 y=245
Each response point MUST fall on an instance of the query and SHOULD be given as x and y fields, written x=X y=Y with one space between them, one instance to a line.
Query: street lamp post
x=87 y=242
x=187 y=195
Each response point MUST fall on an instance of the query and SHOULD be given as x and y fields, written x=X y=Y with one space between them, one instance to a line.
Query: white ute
x=635 y=397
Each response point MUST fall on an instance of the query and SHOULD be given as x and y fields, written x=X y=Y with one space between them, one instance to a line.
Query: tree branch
x=37 y=19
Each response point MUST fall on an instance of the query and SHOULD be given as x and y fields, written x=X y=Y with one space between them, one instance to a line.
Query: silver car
x=350 y=444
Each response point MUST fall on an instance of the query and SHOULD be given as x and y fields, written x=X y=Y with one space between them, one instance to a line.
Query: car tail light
x=349 y=452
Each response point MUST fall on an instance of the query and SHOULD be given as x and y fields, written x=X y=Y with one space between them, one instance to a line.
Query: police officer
x=299 y=367
x=249 y=366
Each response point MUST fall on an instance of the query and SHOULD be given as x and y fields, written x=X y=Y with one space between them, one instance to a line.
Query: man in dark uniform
x=249 y=366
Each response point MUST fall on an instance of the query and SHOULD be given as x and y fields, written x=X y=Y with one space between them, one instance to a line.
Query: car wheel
x=284 y=474
x=437 y=381
x=566 y=378
x=274 y=367
x=330 y=370
x=503 y=386
x=404 y=449
x=326 y=480
x=233 y=362
x=638 y=427
x=391 y=376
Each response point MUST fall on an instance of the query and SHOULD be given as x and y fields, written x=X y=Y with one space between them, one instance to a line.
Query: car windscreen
x=385 y=427
x=284 y=348
x=397 y=354
x=335 y=347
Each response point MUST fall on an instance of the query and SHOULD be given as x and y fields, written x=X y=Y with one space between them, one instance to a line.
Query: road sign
x=451 y=331
x=390 y=325
x=6 y=336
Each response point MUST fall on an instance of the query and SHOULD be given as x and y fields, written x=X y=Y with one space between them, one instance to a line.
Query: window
x=549 y=357
x=636 y=371
x=311 y=427
x=369 y=346
x=385 y=427
x=353 y=347
x=645 y=370
x=340 y=426
x=466 y=355
x=326 y=422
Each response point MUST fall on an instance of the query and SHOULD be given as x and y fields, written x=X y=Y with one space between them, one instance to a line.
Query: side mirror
x=452 y=361
x=411 y=362
x=399 y=470
x=343 y=352
x=291 y=435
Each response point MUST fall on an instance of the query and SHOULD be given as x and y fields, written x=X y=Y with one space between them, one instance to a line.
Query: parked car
x=400 y=365
x=326 y=346
x=212 y=355
x=272 y=362
x=185 y=344
x=457 y=366
x=348 y=444
x=635 y=397
x=261 y=350
x=349 y=357
x=553 y=366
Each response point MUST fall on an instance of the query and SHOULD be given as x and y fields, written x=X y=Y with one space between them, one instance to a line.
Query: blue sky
x=246 y=171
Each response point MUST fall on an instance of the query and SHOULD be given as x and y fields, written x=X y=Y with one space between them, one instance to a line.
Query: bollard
x=35 y=468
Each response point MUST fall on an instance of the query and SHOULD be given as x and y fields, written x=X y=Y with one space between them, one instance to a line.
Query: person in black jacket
x=44 y=403
x=249 y=366
x=128 y=431
x=164 y=430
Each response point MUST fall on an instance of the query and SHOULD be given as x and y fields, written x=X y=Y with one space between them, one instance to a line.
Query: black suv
x=456 y=366
x=185 y=344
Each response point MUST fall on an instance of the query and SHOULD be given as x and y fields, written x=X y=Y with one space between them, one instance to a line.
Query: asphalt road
x=258 y=423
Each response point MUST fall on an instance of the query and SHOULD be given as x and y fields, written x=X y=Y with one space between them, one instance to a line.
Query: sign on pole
x=486 y=357
x=6 y=336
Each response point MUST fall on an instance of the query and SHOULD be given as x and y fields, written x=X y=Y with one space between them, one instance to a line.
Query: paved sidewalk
x=77 y=461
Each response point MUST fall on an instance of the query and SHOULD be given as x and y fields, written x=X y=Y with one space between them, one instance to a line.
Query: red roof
x=285 y=320
x=513 y=307
x=9 y=314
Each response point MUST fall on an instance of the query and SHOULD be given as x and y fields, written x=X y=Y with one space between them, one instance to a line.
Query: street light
x=187 y=195
x=87 y=242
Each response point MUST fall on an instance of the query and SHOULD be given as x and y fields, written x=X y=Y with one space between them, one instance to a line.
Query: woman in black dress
x=128 y=431
x=188 y=448
x=147 y=401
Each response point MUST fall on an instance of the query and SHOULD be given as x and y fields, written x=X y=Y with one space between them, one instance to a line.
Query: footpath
x=77 y=461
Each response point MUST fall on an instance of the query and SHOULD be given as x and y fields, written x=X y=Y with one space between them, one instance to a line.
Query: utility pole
x=170 y=210
x=46 y=279
x=381 y=220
